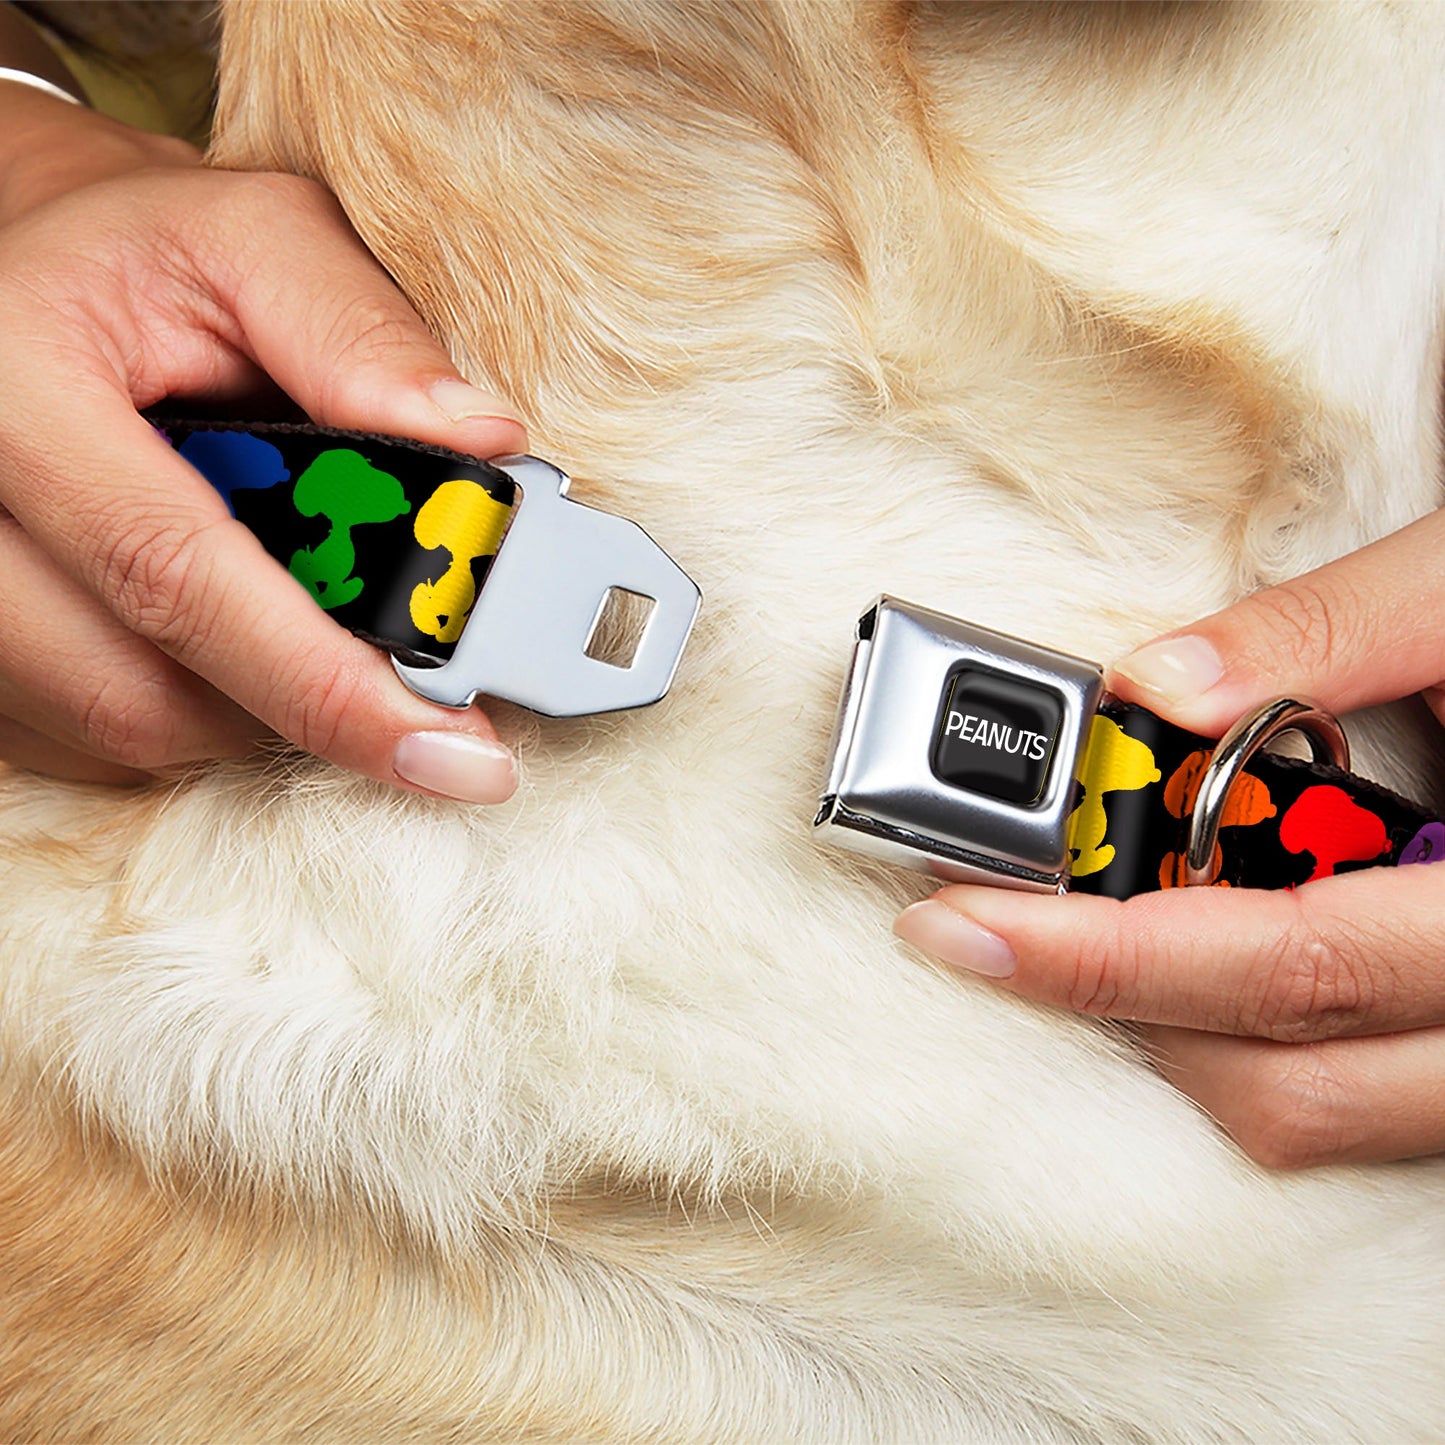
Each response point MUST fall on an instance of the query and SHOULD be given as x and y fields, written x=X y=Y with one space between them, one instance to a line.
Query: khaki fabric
x=150 y=63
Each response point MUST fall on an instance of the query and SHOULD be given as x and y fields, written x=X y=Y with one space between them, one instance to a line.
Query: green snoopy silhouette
x=348 y=491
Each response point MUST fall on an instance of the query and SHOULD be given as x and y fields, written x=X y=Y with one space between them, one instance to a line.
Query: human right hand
x=1310 y=1022
x=141 y=626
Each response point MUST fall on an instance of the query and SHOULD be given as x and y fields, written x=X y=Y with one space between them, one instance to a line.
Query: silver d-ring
x=1328 y=744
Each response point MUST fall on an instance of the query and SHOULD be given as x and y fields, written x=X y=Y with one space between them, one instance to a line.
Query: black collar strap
x=959 y=750
x=395 y=540
x=1283 y=821
x=981 y=758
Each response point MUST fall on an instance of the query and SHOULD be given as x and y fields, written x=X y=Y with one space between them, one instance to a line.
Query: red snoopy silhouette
x=1326 y=822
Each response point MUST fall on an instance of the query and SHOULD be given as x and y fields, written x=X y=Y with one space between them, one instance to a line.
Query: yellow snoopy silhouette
x=468 y=521
x=1112 y=762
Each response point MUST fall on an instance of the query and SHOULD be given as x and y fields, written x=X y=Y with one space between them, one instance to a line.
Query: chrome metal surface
x=882 y=796
x=526 y=637
x=1327 y=743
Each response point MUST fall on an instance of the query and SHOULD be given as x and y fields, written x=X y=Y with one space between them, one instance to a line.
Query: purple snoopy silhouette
x=1427 y=846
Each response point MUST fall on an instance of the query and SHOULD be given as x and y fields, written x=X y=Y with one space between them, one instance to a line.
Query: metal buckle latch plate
x=955 y=749
x=527 y=635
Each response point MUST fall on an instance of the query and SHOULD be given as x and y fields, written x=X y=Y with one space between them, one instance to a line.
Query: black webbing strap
x=393 y=538
x=1286 y=822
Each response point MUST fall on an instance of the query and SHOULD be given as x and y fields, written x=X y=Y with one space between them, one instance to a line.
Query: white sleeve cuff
x=24 y=77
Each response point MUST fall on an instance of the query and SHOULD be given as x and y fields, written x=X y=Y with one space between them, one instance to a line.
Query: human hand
x=141 y=626
x=1310 y=1023
x=51 y=148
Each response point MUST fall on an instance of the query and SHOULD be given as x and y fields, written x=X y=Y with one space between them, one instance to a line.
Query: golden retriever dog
x=616 y=1112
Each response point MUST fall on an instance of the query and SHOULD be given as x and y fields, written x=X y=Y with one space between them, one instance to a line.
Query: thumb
x=322 y=318
x=1359 y=631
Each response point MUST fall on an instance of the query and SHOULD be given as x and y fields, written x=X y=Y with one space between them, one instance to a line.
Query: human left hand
x=1310 y=1022
x=142 y=628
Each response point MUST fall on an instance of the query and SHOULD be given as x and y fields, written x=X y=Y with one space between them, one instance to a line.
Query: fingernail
x=459 y=402
x=457 y=766
x=1178 y=670
x=953 y=939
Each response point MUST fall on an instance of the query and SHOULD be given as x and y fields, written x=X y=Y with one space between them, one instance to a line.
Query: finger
x=22 y=747
x=71 y=671
x=195 y=280
x=1358 y=631
x=148 y=537
x=1353 y=954
x=321 y=317
x=157 y=545
x=1291 y=1106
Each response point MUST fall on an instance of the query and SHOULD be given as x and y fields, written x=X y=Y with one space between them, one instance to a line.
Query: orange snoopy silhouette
x=1248 y=803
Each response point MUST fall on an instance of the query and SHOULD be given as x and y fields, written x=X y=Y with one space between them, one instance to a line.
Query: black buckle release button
x=996 y=735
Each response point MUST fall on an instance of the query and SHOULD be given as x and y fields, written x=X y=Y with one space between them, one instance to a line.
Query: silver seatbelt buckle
x=528 y=635
x=955 y=749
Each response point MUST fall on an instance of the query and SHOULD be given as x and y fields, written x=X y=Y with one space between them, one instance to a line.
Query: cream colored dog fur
x=616 y=1112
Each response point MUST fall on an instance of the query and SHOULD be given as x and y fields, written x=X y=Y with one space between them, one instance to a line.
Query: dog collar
x=404 y=544
x=983 y=759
